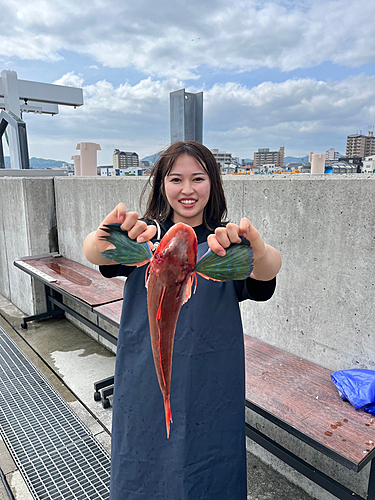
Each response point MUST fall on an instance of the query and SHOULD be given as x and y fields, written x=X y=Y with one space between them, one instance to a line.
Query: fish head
x=178 y=250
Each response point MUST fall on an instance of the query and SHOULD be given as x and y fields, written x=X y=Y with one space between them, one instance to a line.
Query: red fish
x=168 y=288
x=171 y=274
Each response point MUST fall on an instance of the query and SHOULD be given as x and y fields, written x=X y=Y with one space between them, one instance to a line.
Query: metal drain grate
x=56 y=454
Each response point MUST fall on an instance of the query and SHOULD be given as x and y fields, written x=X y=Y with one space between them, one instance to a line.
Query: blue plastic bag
x=356 y=386
x=370 y=408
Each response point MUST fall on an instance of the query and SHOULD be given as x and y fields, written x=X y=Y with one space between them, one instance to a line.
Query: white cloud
x=303 y=114
x=70 y=80
x=174 y=39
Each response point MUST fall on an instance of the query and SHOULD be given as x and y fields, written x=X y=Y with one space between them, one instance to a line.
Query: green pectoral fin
x=127 y=251
x=237 y=263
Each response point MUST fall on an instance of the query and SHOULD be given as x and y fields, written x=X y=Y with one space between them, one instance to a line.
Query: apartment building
x=332 y=155
x=223 y=159
x=358 y=145
x=125 y=159
x=265 y=157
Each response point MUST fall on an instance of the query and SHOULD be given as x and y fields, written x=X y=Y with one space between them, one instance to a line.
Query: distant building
x=332 y=155
x=358 y=145
x=341 y=168
x=223 y=159
x=295 y=165
x=248 y=169
x=369 y=165
x=266 y=157
x=115 y=172
x=109 y=172
x=69 y=167
x=353 y=161
x=270 y=168
x=125 y=159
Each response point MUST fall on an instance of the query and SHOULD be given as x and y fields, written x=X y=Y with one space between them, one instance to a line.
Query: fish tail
x=168 y=414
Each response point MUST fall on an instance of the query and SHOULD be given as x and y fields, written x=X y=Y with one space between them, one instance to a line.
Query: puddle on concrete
x=18 y=486
x=79 y=371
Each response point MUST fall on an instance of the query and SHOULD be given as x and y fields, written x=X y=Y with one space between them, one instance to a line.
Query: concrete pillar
x=318 y=164
x=77 y=164
x=9 y=83
x=186 y=116
x=89 y=162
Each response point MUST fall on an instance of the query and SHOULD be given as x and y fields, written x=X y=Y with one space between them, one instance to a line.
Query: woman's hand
x=138 y=230
x=267 y=260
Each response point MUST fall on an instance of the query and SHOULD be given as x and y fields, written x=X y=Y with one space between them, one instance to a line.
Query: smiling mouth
x=188 y=202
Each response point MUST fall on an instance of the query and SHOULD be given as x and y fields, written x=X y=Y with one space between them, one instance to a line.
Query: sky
x=298 y=74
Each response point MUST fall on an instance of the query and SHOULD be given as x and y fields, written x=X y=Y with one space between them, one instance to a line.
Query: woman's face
x=187 y=188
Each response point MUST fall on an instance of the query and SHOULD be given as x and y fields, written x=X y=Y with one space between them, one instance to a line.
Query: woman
x=205 y=456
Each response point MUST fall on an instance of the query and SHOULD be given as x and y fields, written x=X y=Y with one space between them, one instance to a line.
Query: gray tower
x=186 y=116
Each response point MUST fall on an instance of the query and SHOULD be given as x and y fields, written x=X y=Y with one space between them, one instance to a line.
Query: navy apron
x=204 y=457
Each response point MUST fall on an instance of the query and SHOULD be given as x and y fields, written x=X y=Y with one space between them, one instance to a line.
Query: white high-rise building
x=223 y=159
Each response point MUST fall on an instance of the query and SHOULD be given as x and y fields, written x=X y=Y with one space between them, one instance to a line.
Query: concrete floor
x=72 y=361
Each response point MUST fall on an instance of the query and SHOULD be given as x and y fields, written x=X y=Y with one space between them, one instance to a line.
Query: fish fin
x=127 y=251
x=189 y=286
x=237 y=263
x=158 y=318
x=196 y=281
x=158 y=314
x=147 y=276
x=168 y=414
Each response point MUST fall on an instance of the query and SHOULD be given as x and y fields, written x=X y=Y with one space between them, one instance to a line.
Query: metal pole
x=2 y=162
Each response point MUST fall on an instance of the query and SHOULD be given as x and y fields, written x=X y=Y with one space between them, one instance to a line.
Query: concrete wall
x=83 y=202
x=27 y=227
x=322 y=225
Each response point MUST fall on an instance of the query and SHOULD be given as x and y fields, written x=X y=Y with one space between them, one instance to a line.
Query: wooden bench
x=62 y=277
x=299 y=397
x=294 y=394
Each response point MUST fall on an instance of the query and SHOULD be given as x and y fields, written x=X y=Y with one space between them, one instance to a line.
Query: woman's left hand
x=267 y=260
x=225 y=236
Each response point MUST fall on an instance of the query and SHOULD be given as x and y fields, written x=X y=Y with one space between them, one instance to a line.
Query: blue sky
x=292 y=73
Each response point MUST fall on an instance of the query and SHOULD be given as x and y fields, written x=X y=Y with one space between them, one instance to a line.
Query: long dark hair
x=158 y=207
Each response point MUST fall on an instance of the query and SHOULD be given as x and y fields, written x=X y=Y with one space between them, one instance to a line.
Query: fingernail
x=222 y=253
x=140 y=239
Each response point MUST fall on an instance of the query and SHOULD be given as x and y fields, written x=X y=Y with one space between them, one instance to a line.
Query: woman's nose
x=187 y=187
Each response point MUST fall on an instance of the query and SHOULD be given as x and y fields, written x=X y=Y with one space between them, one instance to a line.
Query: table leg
x=371 y=482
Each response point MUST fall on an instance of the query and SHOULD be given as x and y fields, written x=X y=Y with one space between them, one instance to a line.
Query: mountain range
x=293 y=159
x=37 y=163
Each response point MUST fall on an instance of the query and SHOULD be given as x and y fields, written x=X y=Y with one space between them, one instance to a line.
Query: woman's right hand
x=138 y=230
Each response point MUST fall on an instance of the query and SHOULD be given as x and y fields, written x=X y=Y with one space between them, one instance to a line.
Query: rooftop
x=321 y=310
x=71 y=361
